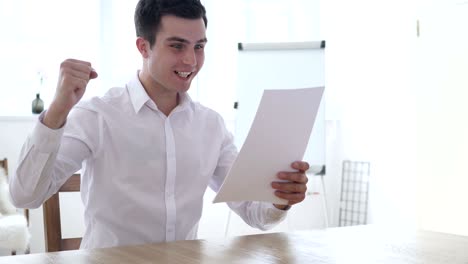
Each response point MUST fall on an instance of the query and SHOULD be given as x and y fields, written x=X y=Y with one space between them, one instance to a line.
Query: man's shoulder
x=114 y=97
x=207 y=116
x=204 y=110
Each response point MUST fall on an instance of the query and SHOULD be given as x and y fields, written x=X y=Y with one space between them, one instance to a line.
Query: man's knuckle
x=302 y=197
x=297 y=188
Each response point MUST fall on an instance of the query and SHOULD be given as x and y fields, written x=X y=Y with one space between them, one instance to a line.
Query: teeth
x=183 y=74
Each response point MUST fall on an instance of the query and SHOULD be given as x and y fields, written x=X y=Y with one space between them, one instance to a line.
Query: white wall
x=370 y=103
x=442 y=136
x=400 y=102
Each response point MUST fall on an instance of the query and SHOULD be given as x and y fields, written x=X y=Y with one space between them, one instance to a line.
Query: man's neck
x=165 y=100
x=166 y=103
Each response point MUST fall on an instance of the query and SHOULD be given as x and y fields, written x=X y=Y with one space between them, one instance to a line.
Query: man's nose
x=190 y=58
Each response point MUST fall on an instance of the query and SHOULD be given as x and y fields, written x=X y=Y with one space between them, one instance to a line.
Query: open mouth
x=183 y=74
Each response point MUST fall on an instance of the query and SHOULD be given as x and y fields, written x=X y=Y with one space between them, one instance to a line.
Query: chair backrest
x=52 y=227
x=4 y=164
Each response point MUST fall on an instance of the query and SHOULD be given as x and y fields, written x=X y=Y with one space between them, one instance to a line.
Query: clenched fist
x=73 y=79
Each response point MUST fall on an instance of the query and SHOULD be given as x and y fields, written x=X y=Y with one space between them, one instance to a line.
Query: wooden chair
x=4 y=165
x=52 y=227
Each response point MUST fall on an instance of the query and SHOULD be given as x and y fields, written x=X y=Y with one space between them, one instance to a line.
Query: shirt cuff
x=272 y=206
x=44 y=138
x=275 y=213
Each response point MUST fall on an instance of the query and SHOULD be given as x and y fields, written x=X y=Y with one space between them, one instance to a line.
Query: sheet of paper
x=278 y=136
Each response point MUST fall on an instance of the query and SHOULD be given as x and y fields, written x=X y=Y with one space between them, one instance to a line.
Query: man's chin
x=185 y=87
x=182 y=86
x=182 y=89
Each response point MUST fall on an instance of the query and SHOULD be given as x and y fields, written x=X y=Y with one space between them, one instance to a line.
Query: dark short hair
x=148 y=14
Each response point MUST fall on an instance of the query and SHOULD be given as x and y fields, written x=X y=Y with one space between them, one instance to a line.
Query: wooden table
x=361 y=244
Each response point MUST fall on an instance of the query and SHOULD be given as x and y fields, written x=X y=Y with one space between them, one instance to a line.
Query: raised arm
x=49 y=157
x=73 y=79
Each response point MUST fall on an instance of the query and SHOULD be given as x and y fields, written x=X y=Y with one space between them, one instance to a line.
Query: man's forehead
x=193 y=29
x=180 y=39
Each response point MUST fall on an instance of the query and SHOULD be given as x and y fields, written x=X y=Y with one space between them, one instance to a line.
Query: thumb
x=93 y=74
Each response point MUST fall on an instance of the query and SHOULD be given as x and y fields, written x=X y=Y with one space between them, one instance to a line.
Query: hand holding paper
x=278 y=136
x=292 y=186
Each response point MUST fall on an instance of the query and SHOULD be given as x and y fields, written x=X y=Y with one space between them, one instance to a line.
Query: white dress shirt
x=144 y=174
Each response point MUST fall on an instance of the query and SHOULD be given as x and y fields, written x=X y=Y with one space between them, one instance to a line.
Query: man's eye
x=177 y=46
x=199 y=46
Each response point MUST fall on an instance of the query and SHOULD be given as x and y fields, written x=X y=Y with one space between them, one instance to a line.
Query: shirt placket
x=170 y=182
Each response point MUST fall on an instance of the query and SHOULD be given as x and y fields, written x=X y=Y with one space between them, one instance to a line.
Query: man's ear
x=143 y=47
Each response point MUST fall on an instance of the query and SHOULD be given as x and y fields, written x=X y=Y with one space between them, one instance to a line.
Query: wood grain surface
x=359 y=244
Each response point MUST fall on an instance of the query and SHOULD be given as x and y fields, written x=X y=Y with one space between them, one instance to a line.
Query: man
x=146 y=151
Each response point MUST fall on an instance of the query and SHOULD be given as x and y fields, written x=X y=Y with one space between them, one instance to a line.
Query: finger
x=293 y=198
x=72 y=73
x=80 y=84
x=289 y=187
x=75 y=64
x=72 y=84
x=93 y=74
x=300 y=165
x=77 y=61
x=78 y=66
x=299 y=177
x=82 y=68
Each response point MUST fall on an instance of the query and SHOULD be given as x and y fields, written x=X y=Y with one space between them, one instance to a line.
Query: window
x=37 y=36
x=34 y=42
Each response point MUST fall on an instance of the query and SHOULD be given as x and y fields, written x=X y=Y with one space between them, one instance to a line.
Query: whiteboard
x=280 y=66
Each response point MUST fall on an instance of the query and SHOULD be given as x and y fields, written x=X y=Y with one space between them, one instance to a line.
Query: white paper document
x=278 y=136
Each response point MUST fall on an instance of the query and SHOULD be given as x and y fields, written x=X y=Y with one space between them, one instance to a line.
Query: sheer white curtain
x=118 y=56
x=35 y=37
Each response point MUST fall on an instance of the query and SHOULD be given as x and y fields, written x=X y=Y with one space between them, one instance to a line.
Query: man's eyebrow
x=178 y=39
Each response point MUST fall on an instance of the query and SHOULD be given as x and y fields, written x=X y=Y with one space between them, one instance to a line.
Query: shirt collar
x=137 y=93
x=139 y=97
